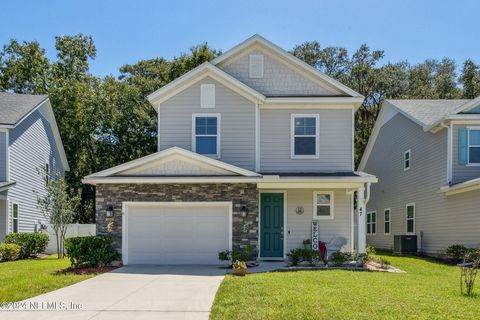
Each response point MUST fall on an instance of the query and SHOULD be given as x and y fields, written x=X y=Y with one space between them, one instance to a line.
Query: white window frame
x=292 y=136
x=389 y=221
x=203 y=88
x=412 y=204
x=218 y=135
x=371 y=223
x=250 y=57
x=331 y=205
x=471 y=164
x=409 y=152
x=17 y=218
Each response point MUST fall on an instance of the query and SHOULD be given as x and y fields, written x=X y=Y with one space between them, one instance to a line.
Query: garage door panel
x=161 y=234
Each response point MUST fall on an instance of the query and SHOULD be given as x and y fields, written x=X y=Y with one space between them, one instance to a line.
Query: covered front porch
x=294 y=209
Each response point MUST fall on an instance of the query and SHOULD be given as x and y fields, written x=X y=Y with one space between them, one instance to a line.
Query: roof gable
x=174 y=162
x=15 y=107
x=199 y=73
x=257 y=42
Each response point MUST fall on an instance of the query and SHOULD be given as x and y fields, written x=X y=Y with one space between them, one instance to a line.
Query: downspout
x=367 y=197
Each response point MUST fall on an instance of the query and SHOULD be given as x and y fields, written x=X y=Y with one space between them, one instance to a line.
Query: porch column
x=362 y=223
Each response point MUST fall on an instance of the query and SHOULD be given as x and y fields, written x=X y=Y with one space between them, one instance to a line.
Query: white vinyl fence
x=74 y=230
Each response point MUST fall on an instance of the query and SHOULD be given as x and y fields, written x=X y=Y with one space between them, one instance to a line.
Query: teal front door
x=271 y=225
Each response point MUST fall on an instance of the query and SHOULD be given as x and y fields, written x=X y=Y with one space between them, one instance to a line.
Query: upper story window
x=411 y=218
x=386 y=213
x=207 y=96
x=46 y=169
x=255 y=66
x=372 y=223
x=206 y=134
x=407 y=160
x=305 y=136
x=322 y=205
x=474 y=146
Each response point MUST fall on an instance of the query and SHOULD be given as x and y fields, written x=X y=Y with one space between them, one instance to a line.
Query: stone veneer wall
x=245 y=229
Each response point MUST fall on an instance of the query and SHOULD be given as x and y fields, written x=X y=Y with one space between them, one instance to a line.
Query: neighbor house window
x=411 y=218
x=386 y=213
x=15 y=217
x=206 y=137
x=474 y=146
x=304 y=140
x=372 y=222
x=406 y=160
x=322 y=205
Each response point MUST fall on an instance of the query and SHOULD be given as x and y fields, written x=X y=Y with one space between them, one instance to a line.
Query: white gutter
x=449 y=151
x=367 y=198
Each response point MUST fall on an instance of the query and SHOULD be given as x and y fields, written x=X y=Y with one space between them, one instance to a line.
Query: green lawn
x=428 y=290
x=27 y=278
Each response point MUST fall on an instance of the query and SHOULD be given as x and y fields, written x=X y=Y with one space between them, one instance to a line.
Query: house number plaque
x=315 y=235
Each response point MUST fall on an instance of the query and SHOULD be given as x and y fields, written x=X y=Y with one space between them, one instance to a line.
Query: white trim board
x=127 y=204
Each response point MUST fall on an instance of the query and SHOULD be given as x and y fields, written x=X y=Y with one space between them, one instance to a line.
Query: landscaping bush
x=9 y=251
x=339 y=257
x=30 y=243
x=243 y=254
x=91 y=251
x=456 y=251
x=300 y=254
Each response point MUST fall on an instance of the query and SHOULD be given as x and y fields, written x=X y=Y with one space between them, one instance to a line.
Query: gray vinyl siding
x=299 y=227
x=32 y=143
x=443 y=220
x=237 y=122
x=461 y=173
x=335 y=150
x=279 y=79
x=3 y=156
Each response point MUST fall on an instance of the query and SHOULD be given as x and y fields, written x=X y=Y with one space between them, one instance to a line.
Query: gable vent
x=255 y=69
x=207 y=96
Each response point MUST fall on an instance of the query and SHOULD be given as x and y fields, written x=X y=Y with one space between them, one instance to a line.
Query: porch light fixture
x=299 y=210
x=244 y=211
x=109 y=211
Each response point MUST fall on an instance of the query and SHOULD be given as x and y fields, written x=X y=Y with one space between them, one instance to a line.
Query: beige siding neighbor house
x=426 y=155
x=254 y=148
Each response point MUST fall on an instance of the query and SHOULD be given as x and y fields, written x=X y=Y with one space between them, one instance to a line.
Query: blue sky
x=128 y=31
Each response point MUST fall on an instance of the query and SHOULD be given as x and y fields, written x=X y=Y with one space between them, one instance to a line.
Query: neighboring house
x=29 y=143
x=253 y=147
x=426 y=155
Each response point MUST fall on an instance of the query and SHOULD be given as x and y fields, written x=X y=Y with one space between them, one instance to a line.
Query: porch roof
x=466 y=186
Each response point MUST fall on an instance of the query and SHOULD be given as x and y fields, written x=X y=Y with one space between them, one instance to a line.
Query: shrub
x=384 y=263
x=339 y=257
x=9 y=251
x=300 y=254
x=30 y=243
x=456 y=251
x=91 y=251
x=242 y=254
x=224 y=255
x=370 y=251
x=469 y=269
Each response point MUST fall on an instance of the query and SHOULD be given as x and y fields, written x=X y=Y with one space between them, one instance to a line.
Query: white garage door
x=179 y=233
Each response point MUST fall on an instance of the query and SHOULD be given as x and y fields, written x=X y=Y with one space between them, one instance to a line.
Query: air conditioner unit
x=405 y=244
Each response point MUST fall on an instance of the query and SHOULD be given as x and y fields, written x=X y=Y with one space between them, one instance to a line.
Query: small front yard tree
x=469 y=269
x=58 y=206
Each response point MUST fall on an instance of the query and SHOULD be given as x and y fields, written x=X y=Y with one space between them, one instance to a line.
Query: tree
x=58 y=207
x=470 y=79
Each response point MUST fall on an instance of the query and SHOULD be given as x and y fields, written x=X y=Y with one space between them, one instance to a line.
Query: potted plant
x=307 y=244
x=239 y=268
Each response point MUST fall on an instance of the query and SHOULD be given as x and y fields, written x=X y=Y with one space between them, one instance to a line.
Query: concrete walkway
x=131 y=292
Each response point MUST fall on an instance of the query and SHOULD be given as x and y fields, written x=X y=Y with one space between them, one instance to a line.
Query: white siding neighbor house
x=29 y=143
x=426 y=155
x=254 y=148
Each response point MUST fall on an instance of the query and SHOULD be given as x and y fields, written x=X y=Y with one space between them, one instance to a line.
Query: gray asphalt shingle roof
x=428 y=111
x=13 y=106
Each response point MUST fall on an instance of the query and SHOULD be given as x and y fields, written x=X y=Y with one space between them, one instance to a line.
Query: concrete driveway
x=131 y=292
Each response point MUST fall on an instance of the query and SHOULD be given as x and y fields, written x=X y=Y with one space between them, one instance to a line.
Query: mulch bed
x=87 y=270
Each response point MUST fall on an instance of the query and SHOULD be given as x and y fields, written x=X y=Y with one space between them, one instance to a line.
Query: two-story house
x=426 y=155
x=254 y=148
x=30 y=146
